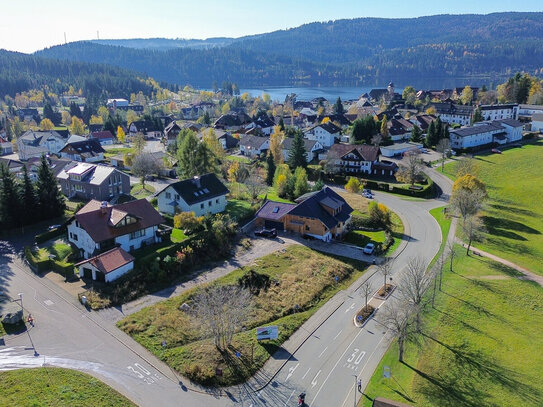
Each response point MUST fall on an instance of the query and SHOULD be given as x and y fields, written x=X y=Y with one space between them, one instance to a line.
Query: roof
x=100 y=225
x=451 y=108
x=329 y=127
x=287 y=144
x=144 y=125
x=368 y=153
x=198 y=189
x=37 y=138
x=537 y=117
x=313 y=207
x=90 y=147
x=478 y=129
x=402 y=146
x=94 y=174
x=102 y=135
x=509 y=122
x=274 y=210
x=252 y=141
x=495 y=107
x=110 y=260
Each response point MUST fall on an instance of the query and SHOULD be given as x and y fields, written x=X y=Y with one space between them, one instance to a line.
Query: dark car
x=266 y=232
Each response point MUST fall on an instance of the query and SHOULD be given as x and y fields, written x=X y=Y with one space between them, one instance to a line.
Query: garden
x=57 y=255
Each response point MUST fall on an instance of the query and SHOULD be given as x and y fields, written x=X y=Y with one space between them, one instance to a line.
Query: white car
x=369 y=249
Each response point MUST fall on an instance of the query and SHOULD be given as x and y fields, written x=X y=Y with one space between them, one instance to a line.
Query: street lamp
x=354 y=390
x=22 y=309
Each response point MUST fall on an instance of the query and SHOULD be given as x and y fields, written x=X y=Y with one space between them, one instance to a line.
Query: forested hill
x=21 y=72
x=357 y=50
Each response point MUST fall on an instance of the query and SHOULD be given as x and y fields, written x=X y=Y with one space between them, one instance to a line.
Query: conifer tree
x=10 y=208
x=297 y=154
x=28 y=199
x=271 y=168
x=50 y=198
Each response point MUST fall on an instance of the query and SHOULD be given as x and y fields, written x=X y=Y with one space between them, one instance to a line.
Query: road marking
x=48 y=302
x=303 y=377
x=350 y=308
x=314 y=381
x=286 y=402
x=335 y=337
x=291 y=371
x=341 y=357
x=323 y=352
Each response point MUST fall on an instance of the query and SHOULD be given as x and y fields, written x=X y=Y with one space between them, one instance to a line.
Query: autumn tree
x=121 y=136
x=384 y=128
x=472 y=228
x=300 y=182
x=410 y=168
x=409 y=95
x=210 y=139
x=385 y=268
x=131 y=116
x=380 y=215
x=414 y=283
x=188 y=222
x=46 y=125
x=144 y=165
x=77 y=126
x=139 y=143
x=397 y=316
x=353 y=185
x=466 y=96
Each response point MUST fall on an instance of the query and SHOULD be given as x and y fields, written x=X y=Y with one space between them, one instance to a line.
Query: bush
x=427 y=191
x=44 y=237
x=313 y=172
x=39 y=264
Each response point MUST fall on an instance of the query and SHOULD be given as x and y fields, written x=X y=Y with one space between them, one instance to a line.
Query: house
x=312 y=148
x=202 y=195
x=29 y=114
x=513 y=129
x=6 y=148
x=254 y=146
x=93 y=128
x=327 y=134
x=351 y=159
x=88 y=150
x=99 y=227
x=398 y=149
x=399 y=129
x=498 y=112
x=104 y=137
x=33 y=165
x=475 y=136
x=93 y=181
x=457 y=93
x=307 y=115
x=225 y=138
x=453 y=113
x=114 y=103
x=265 y=124
x=323 y=215
x=106 y=267
x=232 y=121
x=537 y=122
x=526 y=112
x=13 y=166
x=388 y=94
x=340 y=119
x=146 y=127
x=171 y=131
x=423 y=121
x=37 y=143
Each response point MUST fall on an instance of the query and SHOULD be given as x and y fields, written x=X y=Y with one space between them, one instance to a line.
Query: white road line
x=303 y=377
x=335 y=337
x=341 y=357
x=350 y=308
x=314 y=381
x=286 y=402
x=323 y=352
x=291 y=371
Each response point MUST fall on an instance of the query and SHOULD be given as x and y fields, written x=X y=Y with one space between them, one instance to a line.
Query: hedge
x=427 y=192
x=314 y=172
x=40 y=265
x=44 y=237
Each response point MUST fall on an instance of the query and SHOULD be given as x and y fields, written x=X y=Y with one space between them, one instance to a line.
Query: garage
x=271 y=224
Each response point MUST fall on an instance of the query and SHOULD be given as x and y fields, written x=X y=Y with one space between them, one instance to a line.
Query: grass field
x=177 y=235
x=300 y=277
x=56 y=387
x=444 y=222
x=513 y=215
x=238 y=209
x=361 y=237
x=481 y=344
x=139 y=192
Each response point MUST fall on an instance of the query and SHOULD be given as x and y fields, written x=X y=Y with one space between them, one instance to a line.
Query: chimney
x=103 y=207
x=196 y=181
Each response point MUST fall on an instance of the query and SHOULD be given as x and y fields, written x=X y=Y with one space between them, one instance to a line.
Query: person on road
x=359 y=383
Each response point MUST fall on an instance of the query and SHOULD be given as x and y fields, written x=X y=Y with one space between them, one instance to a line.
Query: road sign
x=267 y=332
x=238 y=354
x=359 y=317
x=386 y=372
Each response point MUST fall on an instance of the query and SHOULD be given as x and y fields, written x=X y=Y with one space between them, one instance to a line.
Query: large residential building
x=99 y=227
x=93 y=181
x=89 y=150
x=327 y=134
x=352 y=159
x=499 y=112
x=323 y=215
x=526 y=112
x=202 y=195
x=37 y=143
x=537 y=122
x=485 y=133
x=453 y=113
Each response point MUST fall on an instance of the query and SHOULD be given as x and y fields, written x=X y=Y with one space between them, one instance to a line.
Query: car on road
x=496 y=151
x=266 y=232
x=368 y=195
x=53 y=227
x=369 y=248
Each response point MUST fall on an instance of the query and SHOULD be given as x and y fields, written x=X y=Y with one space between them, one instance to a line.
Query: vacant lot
x=56 y=387
x=481 y=344
x=514 y=214
x=301 y=280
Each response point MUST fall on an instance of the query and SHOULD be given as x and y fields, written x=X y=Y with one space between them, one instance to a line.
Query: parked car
x=266 y=232
x=368 y=195
x=53 y=227
x=496 y=151
x=369 y=248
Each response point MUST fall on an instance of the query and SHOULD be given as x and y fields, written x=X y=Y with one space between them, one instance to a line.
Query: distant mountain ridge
x=342 y=51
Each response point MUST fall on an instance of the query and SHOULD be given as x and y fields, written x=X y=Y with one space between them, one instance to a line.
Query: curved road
x=66 y=334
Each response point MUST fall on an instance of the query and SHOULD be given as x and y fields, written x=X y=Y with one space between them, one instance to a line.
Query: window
x=209 y=203
x=74 y=236
x=168 y=195
x=201 y=206
x=76 y=224
x=176 y=197
x=216 y=201
x=137 y=233
x=307 y=227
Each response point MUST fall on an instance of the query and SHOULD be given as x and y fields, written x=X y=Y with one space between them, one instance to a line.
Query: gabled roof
x=368 y=153
x=93 y=174
x=313 y=207
x=172 y=126
x=110 y=260
x=508 y=122
x=308 y=144
x=451 y=108
x=198 y=189
x=102 y=135
x=329 y=127
x=478 y=129
x=339 y=118
x=253 y=141
x=93 y=128
x=98 y=222
x=264 y=122
x=90 y=147
x=498 y=107
x=274 y=210
x=38 y=138
x=144 y=125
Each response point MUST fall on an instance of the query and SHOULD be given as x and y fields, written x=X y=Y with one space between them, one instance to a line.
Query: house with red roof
x=99 y=226
x=107 y=266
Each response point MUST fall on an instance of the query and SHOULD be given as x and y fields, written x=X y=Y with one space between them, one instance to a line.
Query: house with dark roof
x=453 y=113
x=146 y=127
x=312 y=148
x=104 y=137
x=352 y=159
x=326 y=134
x=224 y=137
x=106 y=267
x=202 y=195
x=93 y=128
x=254 y=146
x=88 y=150
x=475 y=136
x=232 y=121
x=423 y=121
x=37 y=143
x=99 y=227
x=499 y=112
x=29 y=114
x=324 y=215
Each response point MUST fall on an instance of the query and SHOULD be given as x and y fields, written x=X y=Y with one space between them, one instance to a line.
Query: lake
x=331 y=93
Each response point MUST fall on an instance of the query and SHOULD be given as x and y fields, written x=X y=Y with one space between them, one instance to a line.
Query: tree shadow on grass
x=464 y=324
x=464 y=382
x=509 y=246
x=512 y=209
x=502 y=268
x=477 y=308
x=507 y=227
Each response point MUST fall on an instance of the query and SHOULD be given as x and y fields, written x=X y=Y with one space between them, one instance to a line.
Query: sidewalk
x=528 y=275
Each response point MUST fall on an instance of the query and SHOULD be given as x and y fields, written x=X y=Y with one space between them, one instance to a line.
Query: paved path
x=527 y=274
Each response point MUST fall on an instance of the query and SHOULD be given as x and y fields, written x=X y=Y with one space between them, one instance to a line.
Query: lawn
x=444 y=222
x=177 y=235
x=271 y=194
x=239 y=158
x=138 y=191
x=110 y=152
x=513 y=215
x=56 y=387
x=239 y=209
x=481 y=345
x=361 y=237
x=302 y=280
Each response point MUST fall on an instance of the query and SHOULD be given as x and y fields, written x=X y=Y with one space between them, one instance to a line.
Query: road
x=324 y=365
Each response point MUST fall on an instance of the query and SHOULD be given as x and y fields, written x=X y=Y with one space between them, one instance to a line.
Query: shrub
x=353 y=185
x=44 y=237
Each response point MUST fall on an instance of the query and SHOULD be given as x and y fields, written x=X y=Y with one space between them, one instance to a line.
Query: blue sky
x=32 y=25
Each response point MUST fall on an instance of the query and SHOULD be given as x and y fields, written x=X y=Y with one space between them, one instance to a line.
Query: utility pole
x=21 y=299
x=354 y=390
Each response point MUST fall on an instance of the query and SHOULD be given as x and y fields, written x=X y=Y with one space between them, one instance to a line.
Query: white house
x=399 y=149
x=537 y=122
x=326 y=134
x=36 y=143
x=106 y=267
x=88 y=150
x=527 y=112
x=98 y=227
x=254 y=146
x=513 y=129
x=349 y=158
x=312 y=148
x=453 y=113
x=202 y=195
x=479 y=135
x=499 y=112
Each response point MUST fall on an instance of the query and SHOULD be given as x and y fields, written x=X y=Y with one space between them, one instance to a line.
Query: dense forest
x=21 y=72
